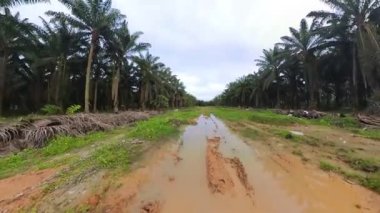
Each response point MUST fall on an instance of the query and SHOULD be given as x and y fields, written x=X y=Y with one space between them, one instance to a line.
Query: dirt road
x=212 y=170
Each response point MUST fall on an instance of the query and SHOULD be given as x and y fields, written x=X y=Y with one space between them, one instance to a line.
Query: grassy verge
x=355 y=165
x=117 y=156
x=40 y=158
x=113 y=154
x=371 y=180
x=269 y=117
x=163 y=126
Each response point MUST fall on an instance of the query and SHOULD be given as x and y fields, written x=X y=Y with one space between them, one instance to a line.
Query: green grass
x=250 y=133
x=371 y=181
x=163 y=126
x=113 y=156
x=65 y=144
x=367 y=133
x=270 y=117
x=365 y=164
x=109 y=156
x=38 y=158
x=230 y=114
x=328 y=167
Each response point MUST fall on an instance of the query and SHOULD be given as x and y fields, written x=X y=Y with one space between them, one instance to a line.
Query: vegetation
x=164 y=125
x=329 y=62
x=115 y=150
x=88 y=57
x=327 y=166
x=360 y=165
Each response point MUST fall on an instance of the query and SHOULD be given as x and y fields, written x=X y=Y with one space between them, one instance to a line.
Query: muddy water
x=200 y=177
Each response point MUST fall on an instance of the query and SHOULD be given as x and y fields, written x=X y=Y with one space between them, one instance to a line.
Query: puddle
x=215 y=171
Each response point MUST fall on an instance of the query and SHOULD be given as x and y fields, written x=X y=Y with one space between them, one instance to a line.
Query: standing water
x=213 y=170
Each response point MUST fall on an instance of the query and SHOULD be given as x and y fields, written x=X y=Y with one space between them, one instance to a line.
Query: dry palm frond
x=36 y=133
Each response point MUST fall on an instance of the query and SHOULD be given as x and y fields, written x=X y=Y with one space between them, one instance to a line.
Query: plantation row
x=86 y=58
x=330 y=61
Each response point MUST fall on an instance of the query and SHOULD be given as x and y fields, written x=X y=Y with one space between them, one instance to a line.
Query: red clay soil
x=22 y=190
x=237 y=165
x=219 y=180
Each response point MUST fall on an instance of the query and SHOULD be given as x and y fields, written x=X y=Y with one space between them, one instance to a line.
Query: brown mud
x=23 y=189
x=209 y=170
x=213 y=170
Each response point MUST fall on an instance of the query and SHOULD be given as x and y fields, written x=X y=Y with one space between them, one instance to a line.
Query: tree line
x=87 y=57
x=330 y=61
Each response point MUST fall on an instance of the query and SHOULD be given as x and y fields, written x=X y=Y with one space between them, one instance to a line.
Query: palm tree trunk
x=278 y=104
x=115 y=90
x=96 y=96
x=313 y=83
x=355 y=103
x=58 y=82
x=142 y=96
x=88 y=75
x=3 y=75
x=3 y=64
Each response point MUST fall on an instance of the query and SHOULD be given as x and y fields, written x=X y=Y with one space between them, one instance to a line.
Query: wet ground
x=213 y=170
x=210 y=169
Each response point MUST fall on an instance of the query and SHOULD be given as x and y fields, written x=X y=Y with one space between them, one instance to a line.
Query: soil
x=23 y=189
x=210 y=169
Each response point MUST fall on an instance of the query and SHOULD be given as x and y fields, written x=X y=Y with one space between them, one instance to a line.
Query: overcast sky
x=207 y=43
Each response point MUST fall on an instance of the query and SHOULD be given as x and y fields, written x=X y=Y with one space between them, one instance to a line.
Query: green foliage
x=162 y=102
x=230 y=114
x=50 y=109
x=38 y=157
x=162 y=126
x=367 y=133
x=372 y=182
x=358 y=162
x=64 y=144
x=113 y=156
x=326 y=166
x=12 y=163
x=367 y=165
x=73 y=109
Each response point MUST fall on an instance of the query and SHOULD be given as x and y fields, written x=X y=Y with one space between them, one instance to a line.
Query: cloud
x=207 y=43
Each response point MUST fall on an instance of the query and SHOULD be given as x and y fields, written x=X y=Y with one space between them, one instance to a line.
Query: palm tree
x=95 y=18
x=57 y=42
x=10 y=3
x=121 y=47
x=270 y=63
x=304 y=43
x=354 y=17
x=147 y=66
x=13 y=32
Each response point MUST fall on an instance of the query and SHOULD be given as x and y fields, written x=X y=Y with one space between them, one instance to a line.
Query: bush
x=50 y=109
x=73 y=109
x=162 y=102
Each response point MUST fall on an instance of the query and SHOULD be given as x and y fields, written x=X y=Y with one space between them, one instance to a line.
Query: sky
x=207 y=43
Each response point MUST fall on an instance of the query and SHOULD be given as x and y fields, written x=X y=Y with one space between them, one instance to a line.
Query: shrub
x=162 y=102
x=73 y=109
x=50 y=109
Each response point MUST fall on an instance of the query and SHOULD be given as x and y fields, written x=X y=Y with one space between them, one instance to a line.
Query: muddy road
x=209 y=169
x=213 y=170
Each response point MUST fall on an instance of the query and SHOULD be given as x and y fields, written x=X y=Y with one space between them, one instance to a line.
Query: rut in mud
x=218 y=175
